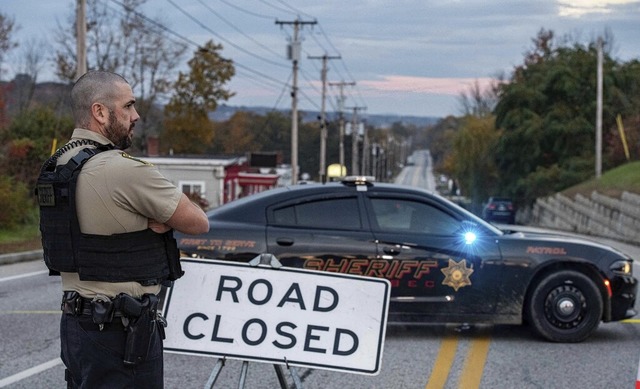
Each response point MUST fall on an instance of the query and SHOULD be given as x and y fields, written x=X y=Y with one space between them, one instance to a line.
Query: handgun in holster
x=142 y=324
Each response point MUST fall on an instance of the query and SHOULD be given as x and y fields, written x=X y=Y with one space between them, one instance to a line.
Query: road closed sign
x=287 y=315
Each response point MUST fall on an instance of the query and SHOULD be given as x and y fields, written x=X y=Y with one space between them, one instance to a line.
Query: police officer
x=110 y=331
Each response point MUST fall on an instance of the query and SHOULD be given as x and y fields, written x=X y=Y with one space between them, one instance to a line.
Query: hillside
x=612 y=183
x=224 y=112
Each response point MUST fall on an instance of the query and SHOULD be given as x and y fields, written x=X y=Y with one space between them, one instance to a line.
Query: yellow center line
x=474 y=363
x=442 y=365
x=632 y=321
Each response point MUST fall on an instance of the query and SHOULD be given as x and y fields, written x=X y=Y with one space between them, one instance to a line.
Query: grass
x=23 y=238
x=612 y=183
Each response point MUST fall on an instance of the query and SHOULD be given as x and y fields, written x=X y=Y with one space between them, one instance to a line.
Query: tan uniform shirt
x=116 y=194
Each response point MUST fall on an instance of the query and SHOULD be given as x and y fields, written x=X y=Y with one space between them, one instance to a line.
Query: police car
x=445 y=265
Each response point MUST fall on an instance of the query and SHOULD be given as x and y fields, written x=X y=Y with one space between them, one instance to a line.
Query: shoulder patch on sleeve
x=125 y=155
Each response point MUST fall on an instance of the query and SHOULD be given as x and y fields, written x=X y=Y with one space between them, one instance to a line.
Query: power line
x=195 y=44
x=155 y=23
x=278 y=8
x=258 y=76
x=223 y=38
x=237 y=29
x=297 y=11
x=247 y=11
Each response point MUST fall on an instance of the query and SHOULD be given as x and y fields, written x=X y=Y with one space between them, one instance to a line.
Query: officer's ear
x=100 y=112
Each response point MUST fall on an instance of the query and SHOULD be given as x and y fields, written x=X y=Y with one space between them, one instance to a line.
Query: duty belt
x=76 y=305
x=139 y=318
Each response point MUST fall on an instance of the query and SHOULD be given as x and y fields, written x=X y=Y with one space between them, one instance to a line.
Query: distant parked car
x=499 y=209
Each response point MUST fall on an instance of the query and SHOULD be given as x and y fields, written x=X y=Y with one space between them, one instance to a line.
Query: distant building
x=216 y=180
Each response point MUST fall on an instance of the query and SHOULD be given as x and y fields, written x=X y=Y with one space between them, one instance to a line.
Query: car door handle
x=284 y=241
x=391 y=250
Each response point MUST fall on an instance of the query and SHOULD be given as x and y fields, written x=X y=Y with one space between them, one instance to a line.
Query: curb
x=23 y=256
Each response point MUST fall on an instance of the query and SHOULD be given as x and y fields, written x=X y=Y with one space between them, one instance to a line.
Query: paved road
x=432 y=356
x=420 y=173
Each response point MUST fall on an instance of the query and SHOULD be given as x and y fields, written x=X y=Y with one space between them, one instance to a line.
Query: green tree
x=473 y=164
x=15 y=202
x=188 y=128
x=235 y=136
x=308 y=149
x=547 y=116
x=439 y=140
x=625 y=102
x=28 y=142
x=273 y=133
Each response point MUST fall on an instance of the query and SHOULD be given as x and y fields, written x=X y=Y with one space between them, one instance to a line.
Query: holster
x=142 y=324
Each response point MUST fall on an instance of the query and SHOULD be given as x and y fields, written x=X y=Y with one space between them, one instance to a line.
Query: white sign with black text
x=287 y=315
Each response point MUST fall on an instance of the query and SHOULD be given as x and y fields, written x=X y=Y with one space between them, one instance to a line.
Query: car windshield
x=475 y=219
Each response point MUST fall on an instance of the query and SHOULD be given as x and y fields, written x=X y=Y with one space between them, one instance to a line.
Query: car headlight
x=621 y=267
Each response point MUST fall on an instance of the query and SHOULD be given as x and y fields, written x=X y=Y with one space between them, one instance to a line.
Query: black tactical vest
x=143 y=256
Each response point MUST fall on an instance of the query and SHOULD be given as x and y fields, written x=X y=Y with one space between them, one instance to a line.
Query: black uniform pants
x=94 y=359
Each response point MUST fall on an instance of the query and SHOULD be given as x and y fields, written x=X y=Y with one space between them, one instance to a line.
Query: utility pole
x=365 y=151
x=341 y=99
x=599 y=113
x=294 y=56
x=81 y=40
x=323 y=120
x=354 y=142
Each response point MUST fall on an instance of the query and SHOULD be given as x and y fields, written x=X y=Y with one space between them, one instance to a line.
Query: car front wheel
x=565 y=307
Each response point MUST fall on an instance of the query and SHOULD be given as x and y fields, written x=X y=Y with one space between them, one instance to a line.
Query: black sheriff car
x=445 y=265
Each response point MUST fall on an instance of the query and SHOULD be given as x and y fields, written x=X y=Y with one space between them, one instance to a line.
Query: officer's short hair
x=93 y=86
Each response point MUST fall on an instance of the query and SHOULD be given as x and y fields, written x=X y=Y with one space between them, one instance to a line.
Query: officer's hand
x=158 y=227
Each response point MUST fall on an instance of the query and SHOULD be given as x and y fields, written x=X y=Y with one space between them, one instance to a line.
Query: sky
x=406 y=57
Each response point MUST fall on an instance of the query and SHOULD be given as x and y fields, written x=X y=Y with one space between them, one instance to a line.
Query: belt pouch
x=173 y=257
x=102 y=310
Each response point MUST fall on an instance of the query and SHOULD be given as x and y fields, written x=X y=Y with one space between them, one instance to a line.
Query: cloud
x=578 y=8
x=424 y=85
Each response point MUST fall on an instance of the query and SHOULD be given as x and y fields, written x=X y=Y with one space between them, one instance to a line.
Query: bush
x=16 y=203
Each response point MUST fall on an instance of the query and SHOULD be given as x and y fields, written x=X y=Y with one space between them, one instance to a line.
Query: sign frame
x=184 y=323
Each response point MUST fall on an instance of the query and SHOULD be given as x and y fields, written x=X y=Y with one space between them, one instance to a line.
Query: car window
x=412 y=216
x=334 y=213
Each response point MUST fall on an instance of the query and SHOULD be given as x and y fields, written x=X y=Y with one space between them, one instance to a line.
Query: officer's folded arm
x=188 y=218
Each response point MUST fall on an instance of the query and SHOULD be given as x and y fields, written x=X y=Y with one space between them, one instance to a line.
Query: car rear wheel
x=565 y=307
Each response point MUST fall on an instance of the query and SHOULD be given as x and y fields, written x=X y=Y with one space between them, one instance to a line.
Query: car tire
x=565 y=307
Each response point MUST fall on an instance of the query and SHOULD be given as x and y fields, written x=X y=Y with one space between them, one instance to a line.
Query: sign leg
x=243 y=374
x=214 y=374
x=280 y=374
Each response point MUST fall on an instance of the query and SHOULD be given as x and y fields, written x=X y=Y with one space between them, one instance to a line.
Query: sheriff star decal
x=457 y=274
